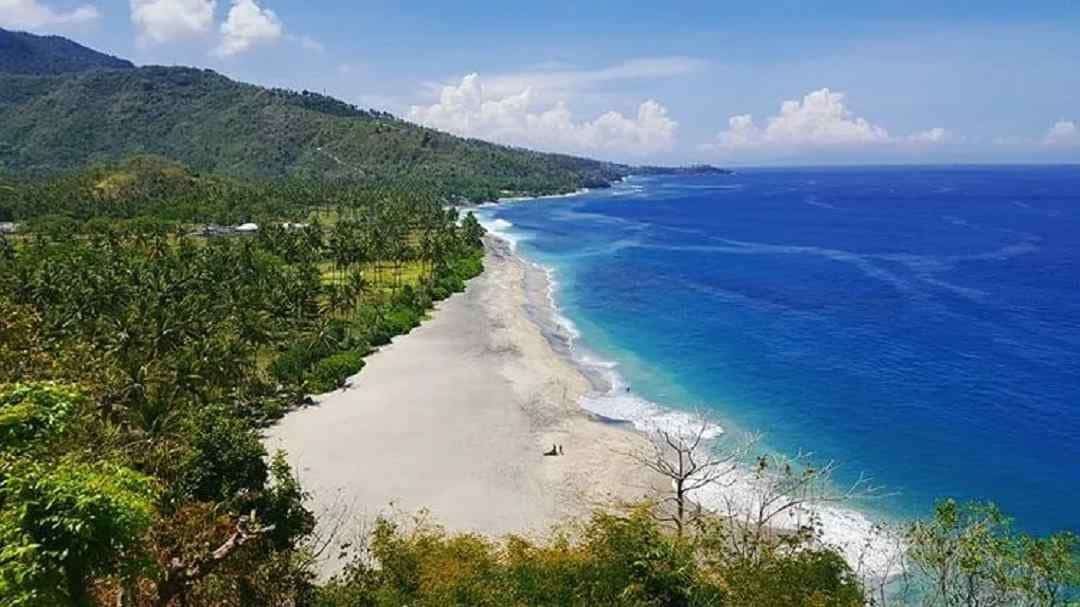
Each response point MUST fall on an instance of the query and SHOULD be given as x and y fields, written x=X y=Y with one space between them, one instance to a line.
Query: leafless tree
x=691 y=460
x=882 y=565
x=331 y=535
x=180 y=575
x=783 y=496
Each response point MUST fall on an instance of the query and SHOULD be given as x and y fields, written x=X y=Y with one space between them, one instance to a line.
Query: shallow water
x=921 y=325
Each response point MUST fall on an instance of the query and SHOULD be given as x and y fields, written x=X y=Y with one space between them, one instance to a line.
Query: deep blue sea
x=921 y=325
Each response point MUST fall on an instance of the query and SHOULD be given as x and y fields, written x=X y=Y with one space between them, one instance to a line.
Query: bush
x=291 y=365
x=64 y=523
x=468 y=267
x=400 y=319
x=331 y=372
x=31 y=414
x=620 y=560
x=801 y=578
x=294 y=365
x=226 y=459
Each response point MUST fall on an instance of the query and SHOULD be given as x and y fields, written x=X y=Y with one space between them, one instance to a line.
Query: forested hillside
x=53 y=122
x=22 y=53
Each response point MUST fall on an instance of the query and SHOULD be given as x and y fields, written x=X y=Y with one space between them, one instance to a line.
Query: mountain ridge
x=104 y=109
x=30 y=54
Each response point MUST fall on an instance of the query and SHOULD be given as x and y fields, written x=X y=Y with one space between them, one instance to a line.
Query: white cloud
x=1064 y=132
x=932 y=136
x=159 y=21
x=473 y=109
x=32 y=14
x=821 y=119
x=247 y=26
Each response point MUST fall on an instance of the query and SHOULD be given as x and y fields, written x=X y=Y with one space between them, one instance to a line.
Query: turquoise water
x=921 y=325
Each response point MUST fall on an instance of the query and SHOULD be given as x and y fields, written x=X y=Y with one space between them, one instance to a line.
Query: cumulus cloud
x=248 y=25
x=819 y=119
x=160 y=21
x=32 y=14
x=473 y=109
x=1064 y=132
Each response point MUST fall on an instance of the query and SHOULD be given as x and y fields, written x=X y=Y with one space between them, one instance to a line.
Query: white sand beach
x=455 y=418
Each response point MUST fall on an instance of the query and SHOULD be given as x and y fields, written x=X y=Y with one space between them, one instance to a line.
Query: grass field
x=379 y=275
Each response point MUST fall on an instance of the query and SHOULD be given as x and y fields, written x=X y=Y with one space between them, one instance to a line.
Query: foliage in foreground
x=970 y=554
x=613 y=559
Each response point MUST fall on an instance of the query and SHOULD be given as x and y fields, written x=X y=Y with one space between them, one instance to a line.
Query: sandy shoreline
x=455 y=417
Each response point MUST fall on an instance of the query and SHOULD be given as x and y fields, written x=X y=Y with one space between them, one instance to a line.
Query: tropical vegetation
x=155 y=317
x=141 y=355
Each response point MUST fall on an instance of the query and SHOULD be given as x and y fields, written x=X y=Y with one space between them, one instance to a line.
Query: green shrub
x=468 y=267
x=226 y=458
x=331 y=372
x=65 y=523
x=400 y=319
x=32 y=413
x=801 y=578
x=291 y=365
x=380 y=335
x=294 y=364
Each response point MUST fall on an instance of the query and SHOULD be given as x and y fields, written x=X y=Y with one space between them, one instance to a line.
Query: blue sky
x=722 y=82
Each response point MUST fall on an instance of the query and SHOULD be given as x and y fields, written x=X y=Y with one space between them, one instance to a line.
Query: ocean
x=920 y=325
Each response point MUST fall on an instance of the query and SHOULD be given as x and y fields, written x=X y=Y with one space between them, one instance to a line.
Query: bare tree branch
x=180 y=575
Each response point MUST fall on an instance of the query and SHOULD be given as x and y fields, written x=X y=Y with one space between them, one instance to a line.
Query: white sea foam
x=572 y=332
x=512 y=199
x=622 y=404
x=627 y=190
x=872 y=549
x=500 y=228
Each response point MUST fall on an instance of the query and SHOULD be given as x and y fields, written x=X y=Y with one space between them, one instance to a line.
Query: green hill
x=22 y=53
x=53 y=122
